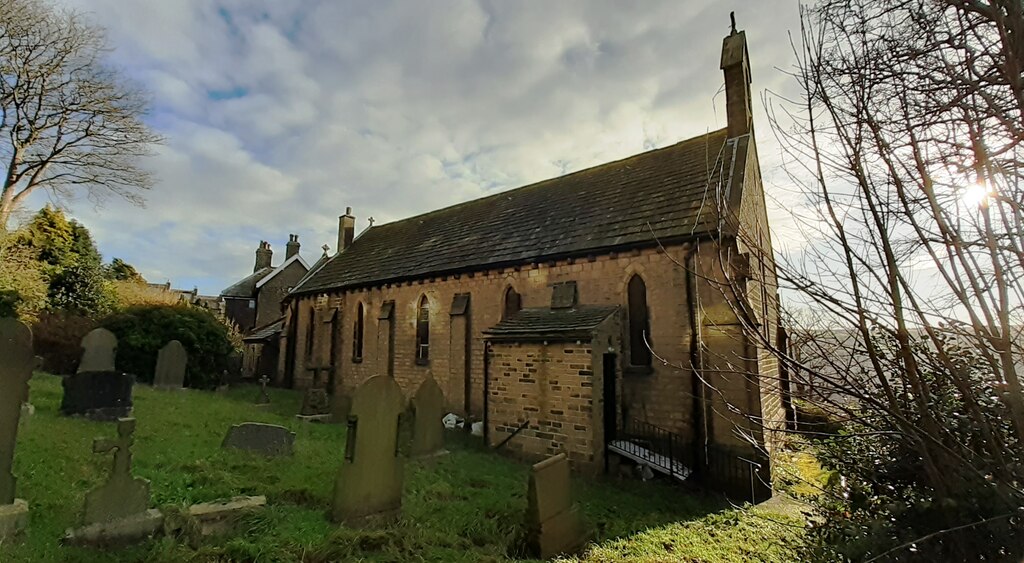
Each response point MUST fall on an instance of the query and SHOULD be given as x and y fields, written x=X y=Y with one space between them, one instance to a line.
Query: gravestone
x=117 y=511
x=315 y=403
x=267 y=439
x=97 y=390
x=99 y=349
x=263 y=398
x=553 y=523
x=368 y=489
x=16 y=363
x=170 y=366
x=428 y=426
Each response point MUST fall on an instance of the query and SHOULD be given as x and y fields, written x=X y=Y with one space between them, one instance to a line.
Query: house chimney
x=292 y=248
x=346 y=229
x=736 y=64
x=263 y=256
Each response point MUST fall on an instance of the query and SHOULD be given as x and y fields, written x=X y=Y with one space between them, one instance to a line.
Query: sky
x=277 y=115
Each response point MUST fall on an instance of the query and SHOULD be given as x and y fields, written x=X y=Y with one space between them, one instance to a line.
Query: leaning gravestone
x=118 y=511
x=170 y=366
x=267 y=439
x=428 y=427
x=16 y=363
x=369 y=485
x=552 y=521
x=97 y=390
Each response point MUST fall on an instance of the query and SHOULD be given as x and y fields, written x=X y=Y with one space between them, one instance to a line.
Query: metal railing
x=656 y=446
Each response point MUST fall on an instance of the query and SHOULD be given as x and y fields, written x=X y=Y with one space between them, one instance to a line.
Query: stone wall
x=268 y=304
x=550 y=387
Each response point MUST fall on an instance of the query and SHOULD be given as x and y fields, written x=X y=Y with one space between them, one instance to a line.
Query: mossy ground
x=466 y=506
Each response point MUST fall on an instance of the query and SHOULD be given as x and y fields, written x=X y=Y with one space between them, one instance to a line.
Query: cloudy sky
x=278 y=114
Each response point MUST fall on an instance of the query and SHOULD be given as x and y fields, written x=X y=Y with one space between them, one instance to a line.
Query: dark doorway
x=611 y=404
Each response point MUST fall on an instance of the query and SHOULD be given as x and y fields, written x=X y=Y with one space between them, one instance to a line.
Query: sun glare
x=974 y=195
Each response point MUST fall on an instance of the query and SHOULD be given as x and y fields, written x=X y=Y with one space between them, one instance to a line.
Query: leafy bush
x=57 y=337
x=143 y=330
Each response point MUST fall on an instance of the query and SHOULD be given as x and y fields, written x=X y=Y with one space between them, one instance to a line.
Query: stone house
x=254 y=304
x=623 y=304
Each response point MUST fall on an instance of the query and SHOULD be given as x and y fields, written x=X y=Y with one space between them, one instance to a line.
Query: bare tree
x=907 y=148
x=67 y=121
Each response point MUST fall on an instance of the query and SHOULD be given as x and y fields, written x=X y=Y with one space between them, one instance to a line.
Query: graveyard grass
x=467 y=506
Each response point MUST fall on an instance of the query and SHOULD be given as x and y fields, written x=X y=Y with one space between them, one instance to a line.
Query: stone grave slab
x=171 y=362
x=368 y=489
x=553 y=522
x=266 y=439
x=220 y=517
x=428 y=425
x=99 y=348
x=98 y=395
x=15 y=370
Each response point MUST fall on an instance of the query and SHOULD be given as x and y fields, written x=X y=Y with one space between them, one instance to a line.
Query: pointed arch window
x=423 y=331
x=511 y=304
x=639 y=323
x=357 y=335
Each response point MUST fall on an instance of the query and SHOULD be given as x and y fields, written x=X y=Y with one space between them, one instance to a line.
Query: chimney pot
x=292 y=248
x=264 y=256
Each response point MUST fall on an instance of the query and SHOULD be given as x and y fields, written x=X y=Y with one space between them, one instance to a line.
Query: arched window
x=511 y=304
x=639 y=323
x=357 y=335
x=423 y=331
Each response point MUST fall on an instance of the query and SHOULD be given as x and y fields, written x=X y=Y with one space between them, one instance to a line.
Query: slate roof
x=266 y=332
x=246 y=287
x=551 y=324
x=617 y=204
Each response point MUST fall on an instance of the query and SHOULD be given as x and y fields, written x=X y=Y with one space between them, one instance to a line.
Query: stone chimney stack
x=346 y=229
x=736 y=65
x=263 y=256
x=292 y=248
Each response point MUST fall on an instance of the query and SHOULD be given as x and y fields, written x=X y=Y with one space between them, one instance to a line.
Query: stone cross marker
x=552 y=521
x=428 y=428
x=122 y=496
x=170 y=366
x=16 y=363
x=263 y=398
x=99 y=348
x=369 y=484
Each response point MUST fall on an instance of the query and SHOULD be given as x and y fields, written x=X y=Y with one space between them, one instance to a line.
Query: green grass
x=467 y=506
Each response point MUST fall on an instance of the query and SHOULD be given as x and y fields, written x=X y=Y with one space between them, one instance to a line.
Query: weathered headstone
x=118 y=510
x=170 y=366
x=369 y=485
x=16 y=363
x=266 y=439
x=99 y=349
x=315 y=402
x=263 y=398
x=428 y=426
x=97 y=390
x=553 y=523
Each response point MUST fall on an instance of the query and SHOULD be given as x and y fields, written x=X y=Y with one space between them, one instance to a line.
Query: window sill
x=638 y=370
x=422 y=361
x=357 y=360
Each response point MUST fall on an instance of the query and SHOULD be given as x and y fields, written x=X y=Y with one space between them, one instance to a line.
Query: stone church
x=618 y=312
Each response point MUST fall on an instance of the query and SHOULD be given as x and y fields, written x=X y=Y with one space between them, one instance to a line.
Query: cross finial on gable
x=370 y=219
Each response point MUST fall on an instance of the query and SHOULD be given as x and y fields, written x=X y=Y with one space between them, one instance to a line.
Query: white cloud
x=278 y=115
